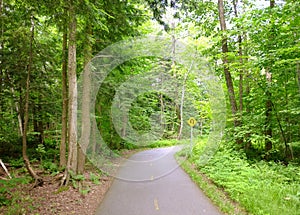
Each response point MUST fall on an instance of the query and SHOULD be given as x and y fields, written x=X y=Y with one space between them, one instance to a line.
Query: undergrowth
x=262 y=188
x=10 y=197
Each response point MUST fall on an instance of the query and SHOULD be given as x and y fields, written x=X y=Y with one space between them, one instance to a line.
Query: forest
x=86 y=83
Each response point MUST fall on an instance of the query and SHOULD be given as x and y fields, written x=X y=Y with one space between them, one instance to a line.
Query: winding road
x=152 y=183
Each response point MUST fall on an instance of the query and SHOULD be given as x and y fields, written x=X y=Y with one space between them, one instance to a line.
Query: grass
x=262 y=188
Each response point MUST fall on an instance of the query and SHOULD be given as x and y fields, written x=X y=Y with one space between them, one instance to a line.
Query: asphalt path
x=152 y=183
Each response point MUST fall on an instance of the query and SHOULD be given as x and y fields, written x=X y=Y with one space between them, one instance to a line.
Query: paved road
x=151 y=183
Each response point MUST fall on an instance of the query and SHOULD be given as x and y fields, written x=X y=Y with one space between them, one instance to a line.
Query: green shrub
x=50 y=166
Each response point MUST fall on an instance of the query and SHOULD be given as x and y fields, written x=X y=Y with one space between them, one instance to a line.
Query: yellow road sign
x=192 y=122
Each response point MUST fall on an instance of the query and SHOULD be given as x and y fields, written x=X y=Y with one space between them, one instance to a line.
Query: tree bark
x=64 y=117
x=86 y=100
x=227 y=73
x=72 y=119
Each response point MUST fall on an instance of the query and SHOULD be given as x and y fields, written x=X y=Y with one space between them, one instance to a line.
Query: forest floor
x=52 y=199
x=49 y=199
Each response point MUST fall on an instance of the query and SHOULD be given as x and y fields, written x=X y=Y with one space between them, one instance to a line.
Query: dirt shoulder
x=52 y=199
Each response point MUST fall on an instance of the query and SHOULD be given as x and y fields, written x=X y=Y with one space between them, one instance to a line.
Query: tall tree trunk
x=64 y=116
x=86 y=100
x=72 y=154
x=227 y=73
x=241 y=76
x=269 y=108
x=38 y=180
x=241 y=71
x=72 y=119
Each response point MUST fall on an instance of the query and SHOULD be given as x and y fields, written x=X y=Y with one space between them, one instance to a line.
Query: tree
x=269 y=107
x=270 y=44
x=38 y=179
x=72 y=119
x=227 y=73
x=240 y=52
x=64 y=115
x=85 y=106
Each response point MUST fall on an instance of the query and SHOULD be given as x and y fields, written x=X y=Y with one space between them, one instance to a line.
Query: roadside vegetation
x=257 y=186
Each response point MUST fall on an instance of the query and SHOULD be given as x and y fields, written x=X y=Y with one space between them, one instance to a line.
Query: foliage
x=210 y=189
x=143 y=107
x=50 y=167
x=95 y=178
x=76 y=179
x=260 y=187
x=16 y=162
x=7 y=195
x=164 y=143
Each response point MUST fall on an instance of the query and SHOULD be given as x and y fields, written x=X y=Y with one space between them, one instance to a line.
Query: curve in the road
x=151 y=183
